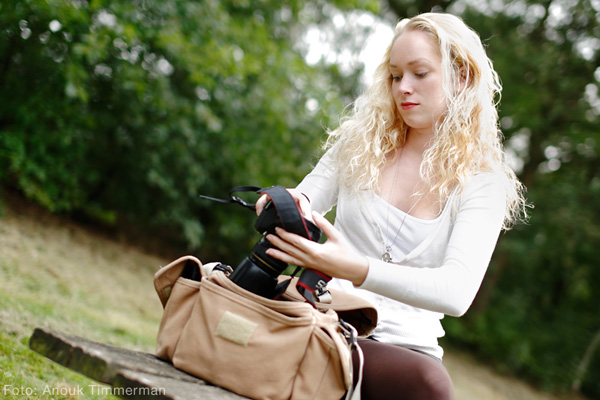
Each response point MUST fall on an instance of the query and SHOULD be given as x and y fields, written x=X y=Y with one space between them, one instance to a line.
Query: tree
x=126 y=111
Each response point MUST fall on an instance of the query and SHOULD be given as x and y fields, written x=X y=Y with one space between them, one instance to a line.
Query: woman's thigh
x=394 y=372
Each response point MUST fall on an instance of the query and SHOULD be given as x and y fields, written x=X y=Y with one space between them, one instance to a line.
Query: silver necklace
x=387 y=255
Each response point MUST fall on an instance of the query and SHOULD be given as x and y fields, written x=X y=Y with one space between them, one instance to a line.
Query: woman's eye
x=420 y=74
x=396 y=78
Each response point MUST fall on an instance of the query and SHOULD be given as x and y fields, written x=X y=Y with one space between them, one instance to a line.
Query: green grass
x=57 y=275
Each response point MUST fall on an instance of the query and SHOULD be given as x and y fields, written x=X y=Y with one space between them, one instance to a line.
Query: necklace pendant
x=387 y=257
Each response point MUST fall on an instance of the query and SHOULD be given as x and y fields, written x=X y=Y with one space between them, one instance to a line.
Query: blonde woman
x=422 y=190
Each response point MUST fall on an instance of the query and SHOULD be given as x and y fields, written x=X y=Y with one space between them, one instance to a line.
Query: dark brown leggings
x=394 y=372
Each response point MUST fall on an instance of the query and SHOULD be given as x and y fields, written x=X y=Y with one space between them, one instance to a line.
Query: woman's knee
x=392 y=371
x=435 y=383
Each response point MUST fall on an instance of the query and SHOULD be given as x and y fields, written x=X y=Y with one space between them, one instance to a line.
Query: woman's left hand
x=334 y=257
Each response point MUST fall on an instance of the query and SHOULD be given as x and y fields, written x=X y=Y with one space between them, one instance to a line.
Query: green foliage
x=129 y=110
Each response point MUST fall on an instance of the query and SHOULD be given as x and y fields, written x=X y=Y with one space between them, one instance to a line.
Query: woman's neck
x=418 y=141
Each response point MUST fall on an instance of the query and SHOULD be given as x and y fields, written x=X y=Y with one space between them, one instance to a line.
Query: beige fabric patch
x=235 y=328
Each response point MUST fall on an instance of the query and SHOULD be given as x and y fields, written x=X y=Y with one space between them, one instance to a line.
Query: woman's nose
x=405 y=86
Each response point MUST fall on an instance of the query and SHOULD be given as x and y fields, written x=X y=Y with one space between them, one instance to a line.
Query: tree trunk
x=585 y=362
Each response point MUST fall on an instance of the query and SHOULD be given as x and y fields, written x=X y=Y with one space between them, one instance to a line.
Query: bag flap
x=165 y=278
x=354 y=310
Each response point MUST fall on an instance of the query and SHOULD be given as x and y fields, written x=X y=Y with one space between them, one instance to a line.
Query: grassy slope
x=56 y=274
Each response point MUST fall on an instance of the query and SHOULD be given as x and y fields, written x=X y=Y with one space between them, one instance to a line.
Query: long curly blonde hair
x=467 y=140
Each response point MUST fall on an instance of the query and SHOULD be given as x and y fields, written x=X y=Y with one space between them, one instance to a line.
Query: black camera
x=259 y=272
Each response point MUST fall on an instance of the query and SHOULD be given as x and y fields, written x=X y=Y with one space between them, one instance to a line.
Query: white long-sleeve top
x=439 y=273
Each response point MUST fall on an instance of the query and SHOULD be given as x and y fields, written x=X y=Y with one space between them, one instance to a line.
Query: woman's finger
x=285 y=257
x=261 y=203
x=292 y=240
x=326 y=226
x=284 y=249
x=304 y=205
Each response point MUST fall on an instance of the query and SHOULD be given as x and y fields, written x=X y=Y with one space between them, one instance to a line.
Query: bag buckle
x=349 y=332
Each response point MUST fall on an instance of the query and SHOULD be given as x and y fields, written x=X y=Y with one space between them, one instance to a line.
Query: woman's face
x=416 y=69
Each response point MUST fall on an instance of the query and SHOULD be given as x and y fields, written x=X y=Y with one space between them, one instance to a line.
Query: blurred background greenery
x=120 y=113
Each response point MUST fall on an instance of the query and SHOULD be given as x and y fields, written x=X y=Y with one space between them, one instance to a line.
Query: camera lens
x=258 y=273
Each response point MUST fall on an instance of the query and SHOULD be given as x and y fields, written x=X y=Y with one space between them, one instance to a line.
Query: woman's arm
x=317 y=191
x=451 y=287
x=321 y=185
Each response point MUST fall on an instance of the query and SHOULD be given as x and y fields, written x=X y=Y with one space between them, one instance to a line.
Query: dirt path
x=475 y=381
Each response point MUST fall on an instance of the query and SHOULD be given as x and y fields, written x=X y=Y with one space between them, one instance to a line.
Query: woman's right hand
x=300 y=199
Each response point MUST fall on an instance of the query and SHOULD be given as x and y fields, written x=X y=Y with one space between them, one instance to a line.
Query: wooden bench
x=130 y=374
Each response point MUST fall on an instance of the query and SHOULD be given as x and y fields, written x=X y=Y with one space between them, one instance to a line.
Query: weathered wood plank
x=174 y=388
x=132 y=374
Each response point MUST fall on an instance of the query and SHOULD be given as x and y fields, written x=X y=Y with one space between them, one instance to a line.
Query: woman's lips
x=408 y=106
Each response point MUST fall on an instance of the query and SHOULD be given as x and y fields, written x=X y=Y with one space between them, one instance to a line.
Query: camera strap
x=287 y=210
x=312 y=285
x=286 y=207
x=234 y=199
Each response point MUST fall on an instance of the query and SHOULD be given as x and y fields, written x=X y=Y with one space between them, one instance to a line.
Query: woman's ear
x=464 y=79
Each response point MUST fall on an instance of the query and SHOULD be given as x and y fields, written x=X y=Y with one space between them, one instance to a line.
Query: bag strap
x=351 y=336
x=354 y=392
x=345 y=339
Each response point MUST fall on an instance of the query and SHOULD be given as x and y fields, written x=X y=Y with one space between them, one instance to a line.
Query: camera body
x=258 y=272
